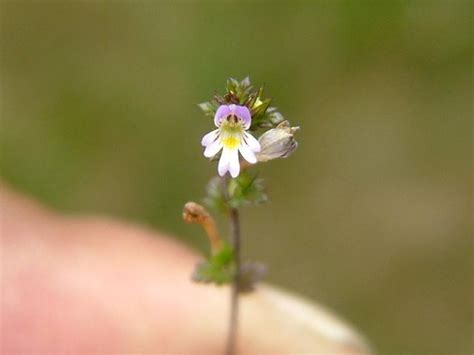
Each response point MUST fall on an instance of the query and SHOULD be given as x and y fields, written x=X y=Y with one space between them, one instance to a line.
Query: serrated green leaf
x=209 y=108
x=246 y=189
x=218 y=269
x=245 y=82
x=223 y=257
x=261 y=106
x=238 y=92
x=207 y=273
x=216 y=197
x=232 y=85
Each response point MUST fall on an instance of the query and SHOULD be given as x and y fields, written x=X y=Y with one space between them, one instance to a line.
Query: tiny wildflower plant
x=240 y=116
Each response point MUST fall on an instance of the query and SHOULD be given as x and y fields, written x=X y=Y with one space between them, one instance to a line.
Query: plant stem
x=234 y=303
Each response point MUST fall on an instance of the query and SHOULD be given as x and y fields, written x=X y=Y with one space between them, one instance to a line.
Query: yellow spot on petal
x=230 y=142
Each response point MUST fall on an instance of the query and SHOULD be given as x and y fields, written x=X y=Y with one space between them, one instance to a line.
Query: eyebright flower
x=232 y=121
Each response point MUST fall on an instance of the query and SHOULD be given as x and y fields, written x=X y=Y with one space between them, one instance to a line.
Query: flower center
x=231 y=133
x=230 y=142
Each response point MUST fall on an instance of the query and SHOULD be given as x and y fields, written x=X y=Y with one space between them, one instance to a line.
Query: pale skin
x=90 y=285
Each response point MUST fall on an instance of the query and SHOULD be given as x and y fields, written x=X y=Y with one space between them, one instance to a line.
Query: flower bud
x=278 y=142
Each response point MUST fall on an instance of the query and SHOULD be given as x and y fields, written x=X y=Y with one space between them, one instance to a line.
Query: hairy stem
x=234 y=303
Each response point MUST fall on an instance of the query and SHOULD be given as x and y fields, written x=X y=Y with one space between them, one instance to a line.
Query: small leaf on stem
x=245 y=189
x=218 y=269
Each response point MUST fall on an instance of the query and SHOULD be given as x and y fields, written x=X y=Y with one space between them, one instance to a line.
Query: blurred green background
x=372 y=214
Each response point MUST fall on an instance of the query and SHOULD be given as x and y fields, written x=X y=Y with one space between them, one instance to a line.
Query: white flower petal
x=252 y=142
x=212 y=149
x=210 y=137
x=247 y=153
x=224 y=162
x=234 y=164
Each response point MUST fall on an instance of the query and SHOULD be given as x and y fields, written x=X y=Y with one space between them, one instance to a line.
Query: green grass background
x=371 y=215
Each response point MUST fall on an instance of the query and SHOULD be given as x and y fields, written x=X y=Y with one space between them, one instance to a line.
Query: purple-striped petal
x=243 y=113
x=210 y=137
x=222 y=112
x=212 y=149
x=247 y=153
x=252 y=142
